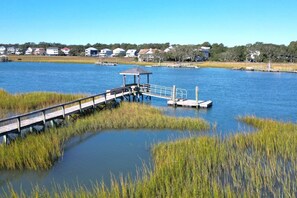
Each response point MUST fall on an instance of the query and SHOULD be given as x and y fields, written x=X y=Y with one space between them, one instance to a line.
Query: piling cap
x=135 y=71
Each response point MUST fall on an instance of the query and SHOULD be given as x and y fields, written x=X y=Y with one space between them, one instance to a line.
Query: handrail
x=59 y=105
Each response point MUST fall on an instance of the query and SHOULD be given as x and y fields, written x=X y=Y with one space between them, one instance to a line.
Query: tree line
x=257 y=52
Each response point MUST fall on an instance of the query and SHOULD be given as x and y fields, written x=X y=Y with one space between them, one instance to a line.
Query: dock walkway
x=17 y=123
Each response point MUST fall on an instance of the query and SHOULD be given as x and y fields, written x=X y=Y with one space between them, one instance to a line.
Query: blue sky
x=232 y=22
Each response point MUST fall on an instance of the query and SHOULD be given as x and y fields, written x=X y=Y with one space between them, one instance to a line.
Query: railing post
x=19 y=124
x=93 y=102
x=79 y=102
x=105 y=98
x=44 y=118
x=5 y=139
x=63 y=109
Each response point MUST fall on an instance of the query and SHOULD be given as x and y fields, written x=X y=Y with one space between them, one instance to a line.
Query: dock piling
x=197 y=94
x=174 y=95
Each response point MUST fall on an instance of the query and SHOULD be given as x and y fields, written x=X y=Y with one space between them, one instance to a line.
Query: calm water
x=97 y=156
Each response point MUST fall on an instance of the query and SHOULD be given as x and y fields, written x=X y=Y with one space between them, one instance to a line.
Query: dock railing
x=163 y=91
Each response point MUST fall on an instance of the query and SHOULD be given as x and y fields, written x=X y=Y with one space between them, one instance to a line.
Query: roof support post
x=148 y=79
x=124 y=80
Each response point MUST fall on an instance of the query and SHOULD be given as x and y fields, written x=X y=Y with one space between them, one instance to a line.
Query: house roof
x=118 y=49
x=143 y=51
x=91 y=48
x=135 y=72
x=52 y=48
x=131 y=50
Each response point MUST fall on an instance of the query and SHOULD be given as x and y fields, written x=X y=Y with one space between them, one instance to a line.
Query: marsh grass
x=39 y=151
x=25 y=102
x=260 y=164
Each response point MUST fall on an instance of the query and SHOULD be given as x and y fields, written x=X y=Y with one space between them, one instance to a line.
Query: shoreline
x=244 y=66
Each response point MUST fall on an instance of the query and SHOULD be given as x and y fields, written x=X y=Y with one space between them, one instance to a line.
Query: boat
x=106 y=64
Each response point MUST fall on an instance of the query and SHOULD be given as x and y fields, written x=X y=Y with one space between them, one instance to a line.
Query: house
x=11 y=50
x=65 y=50
x=18 y=51
x=29 y=51
x=147 y=55
x=52 y=51
x=39 y=51
x=169 y=49
x=205 y=51
x=91 y=51
x=105 y=53
x=119 y=52
x=131 y=53
x=2 y=50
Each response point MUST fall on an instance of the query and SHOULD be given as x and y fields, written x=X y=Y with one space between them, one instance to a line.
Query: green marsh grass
x=259 y=164
x=25 y=102
x=39 y=151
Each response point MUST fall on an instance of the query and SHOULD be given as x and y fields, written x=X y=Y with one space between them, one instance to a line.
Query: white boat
x=106 y=64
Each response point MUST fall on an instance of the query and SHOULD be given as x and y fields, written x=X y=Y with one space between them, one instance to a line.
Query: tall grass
x=39 y=151
x=25 y=102
x=260 y=164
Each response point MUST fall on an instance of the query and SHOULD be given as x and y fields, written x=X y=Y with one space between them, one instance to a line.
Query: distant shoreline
x=276 y=67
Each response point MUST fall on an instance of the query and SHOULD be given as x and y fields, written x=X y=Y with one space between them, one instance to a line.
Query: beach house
x=29 y=51
x=2 y=50
x=118 y=52
x=105 y=53
x=52 y=51
x=91 y=51
x=11 y=50
x=131 y=53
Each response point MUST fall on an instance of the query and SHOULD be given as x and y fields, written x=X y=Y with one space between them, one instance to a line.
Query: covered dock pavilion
x=136 y=73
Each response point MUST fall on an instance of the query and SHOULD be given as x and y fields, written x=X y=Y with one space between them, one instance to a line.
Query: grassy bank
x=25 y=102
x=131 y=61
x=39 y=151
x=261 y=164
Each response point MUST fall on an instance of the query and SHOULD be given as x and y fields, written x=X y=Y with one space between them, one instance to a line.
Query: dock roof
x=135 y=71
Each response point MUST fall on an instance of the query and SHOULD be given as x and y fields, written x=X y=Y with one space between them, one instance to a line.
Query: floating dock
x=190 y=103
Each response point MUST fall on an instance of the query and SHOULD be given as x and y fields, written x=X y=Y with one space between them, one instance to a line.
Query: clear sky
x=232 y=22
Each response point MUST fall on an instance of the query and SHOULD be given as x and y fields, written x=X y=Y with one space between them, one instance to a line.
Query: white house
x=11 y=50
x=205 y=51
x=52 y=51
x=39 y=51
x=18 y=51
x=105 y=53
x=131 y=53
x=65 y=50
x=169 y=49
x=119 y=52
x=91 y=51
x=2 y=50
x=29 y=51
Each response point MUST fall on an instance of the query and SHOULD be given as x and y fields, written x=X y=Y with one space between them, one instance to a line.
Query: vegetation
x=39 y=151
x=260 y=164
x=25 y=102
